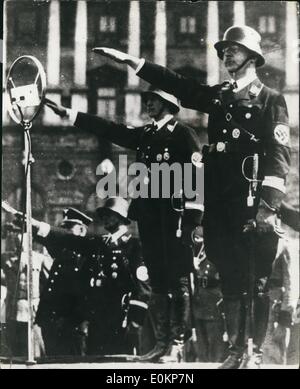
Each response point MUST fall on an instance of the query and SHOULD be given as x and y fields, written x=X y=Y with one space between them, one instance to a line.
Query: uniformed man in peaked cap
x=246 y=165
x=98 y=287
x=61 y=308
x=167 y=257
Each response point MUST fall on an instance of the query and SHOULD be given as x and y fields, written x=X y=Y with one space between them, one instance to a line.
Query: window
x=187 y=25
x=106 y=103
x=107 y=24
x=267 y=24
x=65 y=170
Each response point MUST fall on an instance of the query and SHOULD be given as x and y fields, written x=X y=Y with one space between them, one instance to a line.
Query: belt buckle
x=221 y=147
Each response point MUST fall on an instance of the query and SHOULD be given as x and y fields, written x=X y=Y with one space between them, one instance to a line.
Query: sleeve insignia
x=171 y=127
x=282 y=134
x=142 y=273
x=197 y=159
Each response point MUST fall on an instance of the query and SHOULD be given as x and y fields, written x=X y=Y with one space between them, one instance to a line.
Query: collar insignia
x=171 y=127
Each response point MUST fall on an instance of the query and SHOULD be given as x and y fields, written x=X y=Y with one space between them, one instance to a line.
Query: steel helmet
x=244 y=36
x=172 y=100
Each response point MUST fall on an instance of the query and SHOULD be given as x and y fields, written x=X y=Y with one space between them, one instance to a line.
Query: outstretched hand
x=113 y=54
x=117 y=56
x=56 y=108
x=19 y=220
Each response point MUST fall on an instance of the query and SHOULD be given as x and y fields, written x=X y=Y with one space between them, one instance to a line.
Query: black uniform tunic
x=118 y=293
x=251 y=121
x=166 y=256
x=90 y=277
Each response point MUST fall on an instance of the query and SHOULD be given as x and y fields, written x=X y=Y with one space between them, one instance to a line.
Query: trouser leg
x=261 y=315
x=179 y=311
x=160 y=309
x=235 y=321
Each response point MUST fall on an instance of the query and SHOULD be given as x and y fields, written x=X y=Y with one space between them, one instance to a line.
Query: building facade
x=178 y=34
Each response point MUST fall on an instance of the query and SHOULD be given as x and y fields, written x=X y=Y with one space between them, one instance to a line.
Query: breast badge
x=236 y=133
x=166 y=155
x=142 y=273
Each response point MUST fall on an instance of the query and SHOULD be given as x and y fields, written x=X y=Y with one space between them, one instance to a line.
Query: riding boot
x=235 y=322
x=261 y=315
x=179 y=315
x=160 y=309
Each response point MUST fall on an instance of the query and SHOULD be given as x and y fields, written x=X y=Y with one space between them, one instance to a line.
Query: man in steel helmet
x=167 y=256
x=246 y=165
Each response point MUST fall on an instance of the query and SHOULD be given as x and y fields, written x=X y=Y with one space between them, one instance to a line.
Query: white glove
x=56 y=108
x=117 y=56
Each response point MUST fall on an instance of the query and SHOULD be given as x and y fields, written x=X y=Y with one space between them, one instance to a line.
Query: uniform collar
x=113 y=238
x=255 y=88
x=160 y=123
x=249 y=92
x=244 y=81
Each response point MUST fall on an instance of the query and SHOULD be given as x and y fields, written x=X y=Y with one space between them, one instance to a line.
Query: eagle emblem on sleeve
x=282 y=134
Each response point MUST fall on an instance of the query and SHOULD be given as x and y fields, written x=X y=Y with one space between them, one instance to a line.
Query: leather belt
x=226 y=147
x=205 y=282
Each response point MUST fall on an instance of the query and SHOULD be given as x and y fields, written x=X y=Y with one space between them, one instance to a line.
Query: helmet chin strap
x=240 y=66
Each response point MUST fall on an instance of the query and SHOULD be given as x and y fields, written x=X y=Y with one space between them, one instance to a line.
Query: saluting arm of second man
x=116 y=133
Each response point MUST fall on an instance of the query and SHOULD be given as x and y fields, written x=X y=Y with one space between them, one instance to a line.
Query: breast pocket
x=249 y=112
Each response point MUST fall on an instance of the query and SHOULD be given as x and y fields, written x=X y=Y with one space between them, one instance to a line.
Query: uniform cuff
x=273 y=197
x=274 y=182
x=140 y=65
x=43 y=230
x=72 y=115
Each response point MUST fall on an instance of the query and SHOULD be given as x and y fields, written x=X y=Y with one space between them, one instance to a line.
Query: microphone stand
x=28 y=160
x=30 y=95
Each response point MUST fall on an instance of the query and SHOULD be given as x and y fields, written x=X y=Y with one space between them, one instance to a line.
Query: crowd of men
x=109 y=295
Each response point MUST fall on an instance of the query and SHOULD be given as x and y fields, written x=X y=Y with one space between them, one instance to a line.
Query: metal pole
x=28 y=161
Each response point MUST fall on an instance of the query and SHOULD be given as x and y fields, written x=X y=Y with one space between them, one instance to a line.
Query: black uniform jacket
x=253 y=120
x=207 y=292
x=157 y=220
